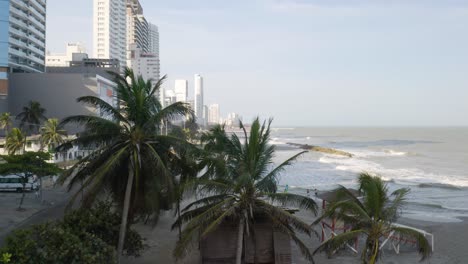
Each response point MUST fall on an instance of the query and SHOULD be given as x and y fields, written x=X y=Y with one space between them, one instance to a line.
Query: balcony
x=37 y=5
x=18 y=53
x=38 y=16
x=39 y=52
x=19 y=33
x=18 y=22
x=36 y=32
x=17 y=42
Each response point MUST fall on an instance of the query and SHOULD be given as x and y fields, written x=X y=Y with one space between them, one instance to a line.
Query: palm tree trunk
x=40 y=190
x=240 y=241
x=178 y=217
x=123 y=224
x=375 y=252
x=23 y=194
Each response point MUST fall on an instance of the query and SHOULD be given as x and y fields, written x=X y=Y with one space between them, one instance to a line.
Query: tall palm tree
x=372 y=217
x=31 y=117
x=5 y=122
x=131 y=159
x=52 y=133
x=15 y=142
x=243 y=191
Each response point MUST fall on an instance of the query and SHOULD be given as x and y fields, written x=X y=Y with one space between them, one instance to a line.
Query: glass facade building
x=4 y=29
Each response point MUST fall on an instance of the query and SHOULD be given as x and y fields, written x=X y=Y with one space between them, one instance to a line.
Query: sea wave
x=439 y=206
x=440 y=186
x=402 y=176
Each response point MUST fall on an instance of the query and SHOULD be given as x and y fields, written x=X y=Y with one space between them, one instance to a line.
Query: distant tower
x=213 y=114
x=153 y=44
x=110 y=30
x=199 y=98
x=181 y=90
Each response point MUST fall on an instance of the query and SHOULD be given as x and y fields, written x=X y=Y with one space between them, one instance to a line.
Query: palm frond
x=424 y=248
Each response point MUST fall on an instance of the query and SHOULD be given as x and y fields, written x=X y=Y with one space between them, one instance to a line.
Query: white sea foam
x=411 y=176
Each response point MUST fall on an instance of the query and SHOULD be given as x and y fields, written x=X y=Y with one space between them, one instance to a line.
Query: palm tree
x=52 y=133
x=31 y=117
x=243 y=191
x=372 y=217
x=15 y=142
x=131 y=158
x=5 y=122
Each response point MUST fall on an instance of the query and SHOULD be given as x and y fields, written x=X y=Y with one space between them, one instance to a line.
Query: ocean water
x=432 y=162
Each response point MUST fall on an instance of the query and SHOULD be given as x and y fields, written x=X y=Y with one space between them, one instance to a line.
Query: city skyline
x=338 y=63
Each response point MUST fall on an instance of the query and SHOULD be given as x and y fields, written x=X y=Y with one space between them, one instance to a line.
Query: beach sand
x=451 y=245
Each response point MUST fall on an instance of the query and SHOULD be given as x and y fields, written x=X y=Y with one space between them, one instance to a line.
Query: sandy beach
x=450 y=245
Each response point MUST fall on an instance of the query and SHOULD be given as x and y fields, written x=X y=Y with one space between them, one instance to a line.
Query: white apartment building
x=110 y=30
x=74 y=52
x=144 y=64
x=181 y=90
x=213 y=114
x=153 y=39
x=198 y=80
x=27 y=35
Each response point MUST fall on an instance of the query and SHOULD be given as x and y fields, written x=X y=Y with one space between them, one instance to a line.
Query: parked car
x=15 y=182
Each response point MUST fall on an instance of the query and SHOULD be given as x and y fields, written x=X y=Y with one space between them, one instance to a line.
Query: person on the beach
x=286 y=188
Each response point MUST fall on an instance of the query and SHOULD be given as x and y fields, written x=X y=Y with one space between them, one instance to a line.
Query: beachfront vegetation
x=15 y=142
x=31 y=117
x=372 y=217
x=5 y=122
x=131 y=159
x=52 y=134
x=83 y=236
x=54 y=243
x=240 y=185
x=26 y=166
x=103 y=221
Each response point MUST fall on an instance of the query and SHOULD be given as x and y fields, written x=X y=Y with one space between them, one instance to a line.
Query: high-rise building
x=74 y=52
x=144 y=64
x=137 y=26
x=22 y=40
x=110 y=30
x=153 y=39
x=198 y=80
x=181 y=90
x=213 y=114
x=27 y=34
x=153 y=44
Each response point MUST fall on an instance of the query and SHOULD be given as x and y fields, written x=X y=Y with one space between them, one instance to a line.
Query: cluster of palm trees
x=234 y=177
x=32 y=120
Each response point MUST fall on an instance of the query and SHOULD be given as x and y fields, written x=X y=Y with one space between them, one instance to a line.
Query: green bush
x=5 y=258
x=104 y=223
x=51 y=243
x=84 y=236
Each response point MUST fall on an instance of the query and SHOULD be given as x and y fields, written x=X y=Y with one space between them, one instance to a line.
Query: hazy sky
x=308 y=62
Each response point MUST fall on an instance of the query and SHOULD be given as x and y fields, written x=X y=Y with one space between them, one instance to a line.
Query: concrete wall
x=56 y=92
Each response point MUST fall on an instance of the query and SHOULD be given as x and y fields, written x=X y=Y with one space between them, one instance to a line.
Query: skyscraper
x=110 y=30
x=213 y=114
x=153 y=40
x=22 y=40
x=199 y=98
x=137 y=26
x=181 y=90
x=27 y=34
x=153 y=44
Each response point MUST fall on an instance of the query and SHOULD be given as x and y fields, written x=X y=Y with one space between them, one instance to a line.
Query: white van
x=15 y=182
